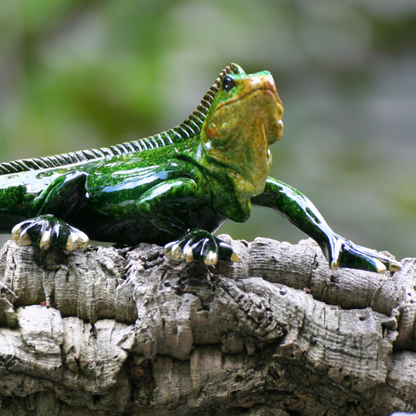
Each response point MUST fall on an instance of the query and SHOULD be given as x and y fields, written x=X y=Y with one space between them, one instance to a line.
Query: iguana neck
x=232 y=186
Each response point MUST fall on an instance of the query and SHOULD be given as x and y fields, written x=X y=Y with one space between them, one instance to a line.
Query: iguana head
x=243 y=121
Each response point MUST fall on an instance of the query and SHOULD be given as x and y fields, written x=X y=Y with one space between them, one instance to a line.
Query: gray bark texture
x=110 y=331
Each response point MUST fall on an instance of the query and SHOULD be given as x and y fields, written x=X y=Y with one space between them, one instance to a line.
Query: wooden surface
x=111 y=331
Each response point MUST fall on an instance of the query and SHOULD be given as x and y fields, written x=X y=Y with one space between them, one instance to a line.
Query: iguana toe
x=173 y=251
x=45 y=240
x=19 y=237
x=77 y=239
x=211 y=258
x=381 y=268
x=189 y=255
x=395 y=266
x=334 y=265
x=234 y=257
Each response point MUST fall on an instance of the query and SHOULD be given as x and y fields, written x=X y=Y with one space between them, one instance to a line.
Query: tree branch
x=111 y=331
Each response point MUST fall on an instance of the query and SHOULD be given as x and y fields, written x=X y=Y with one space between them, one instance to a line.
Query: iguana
x=175 y=188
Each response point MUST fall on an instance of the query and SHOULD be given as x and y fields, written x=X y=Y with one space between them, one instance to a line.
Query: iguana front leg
x=301 y=212
x=60 y=198
x=167 y=207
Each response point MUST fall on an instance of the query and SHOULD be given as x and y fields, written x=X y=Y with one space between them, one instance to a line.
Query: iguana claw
x=77 y=239
x=19 y=237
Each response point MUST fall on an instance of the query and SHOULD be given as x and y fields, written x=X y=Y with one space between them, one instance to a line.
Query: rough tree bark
x=126 y=332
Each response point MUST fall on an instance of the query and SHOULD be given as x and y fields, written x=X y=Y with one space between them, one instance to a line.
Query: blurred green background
x=78 y=74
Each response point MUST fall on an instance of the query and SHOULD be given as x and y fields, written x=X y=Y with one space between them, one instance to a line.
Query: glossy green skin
x=179 y=193
x=105 y=198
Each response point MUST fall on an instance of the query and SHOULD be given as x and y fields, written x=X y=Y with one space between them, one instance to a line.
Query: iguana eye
x=227 y=84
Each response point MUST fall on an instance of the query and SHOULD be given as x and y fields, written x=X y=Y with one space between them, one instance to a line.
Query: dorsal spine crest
x=189 y=128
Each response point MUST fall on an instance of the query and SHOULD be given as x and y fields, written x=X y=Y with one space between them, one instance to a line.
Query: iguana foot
x=200 y=245
x=47 y=231
x=345 y=253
